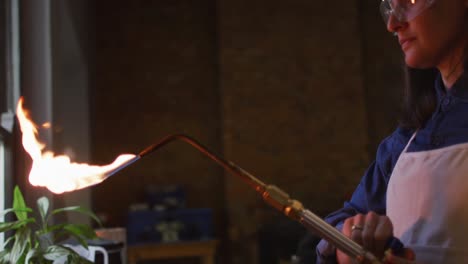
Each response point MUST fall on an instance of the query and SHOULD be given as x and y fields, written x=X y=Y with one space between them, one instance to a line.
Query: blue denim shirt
x=447 y=126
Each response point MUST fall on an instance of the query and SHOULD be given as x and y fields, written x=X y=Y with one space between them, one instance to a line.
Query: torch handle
x=318 y=226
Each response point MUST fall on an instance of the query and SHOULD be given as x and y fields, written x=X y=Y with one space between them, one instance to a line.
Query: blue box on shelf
x=149 y=226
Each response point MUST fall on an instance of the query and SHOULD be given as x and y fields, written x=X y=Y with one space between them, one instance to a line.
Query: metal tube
x=122 y=166
x=227 y=165
x=318 y=226
x=273 y=196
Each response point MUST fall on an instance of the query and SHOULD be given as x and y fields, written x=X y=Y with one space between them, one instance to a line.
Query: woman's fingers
x=383 y=231
x=371 y=231
x=354 y=227
x=368 y=234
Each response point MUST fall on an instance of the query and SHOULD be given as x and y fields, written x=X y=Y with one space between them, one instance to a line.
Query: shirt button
x=445 y=103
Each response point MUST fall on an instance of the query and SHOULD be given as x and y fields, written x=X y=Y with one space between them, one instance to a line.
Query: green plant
x=36 y=241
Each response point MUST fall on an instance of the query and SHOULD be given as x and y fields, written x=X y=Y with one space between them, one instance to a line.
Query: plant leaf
x=18 y=203
x=26 y=209
x=54 y=252
x=78 y=209
x=50 y=229
x=5 y=244
x=32 y=253
x=80 y=232
x=4 y=256
x=15 y=225
x=54 y=231
x=45 y=241
x=75 y=258
x=80 y=239
x=43 y=206
x=21 y=245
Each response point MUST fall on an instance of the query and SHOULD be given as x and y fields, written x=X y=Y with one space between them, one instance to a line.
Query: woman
x=417 y=188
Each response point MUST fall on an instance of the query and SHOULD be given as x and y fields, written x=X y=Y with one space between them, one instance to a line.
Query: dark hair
x=419 y=97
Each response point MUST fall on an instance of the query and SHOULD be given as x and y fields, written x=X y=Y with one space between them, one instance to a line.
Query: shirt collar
x=459 y=88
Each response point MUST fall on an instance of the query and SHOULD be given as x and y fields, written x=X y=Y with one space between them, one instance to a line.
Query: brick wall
x=293 y=103
x=283 y=89
x=156 y=75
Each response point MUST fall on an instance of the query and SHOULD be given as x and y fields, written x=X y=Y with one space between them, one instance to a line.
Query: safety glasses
x=403 y=10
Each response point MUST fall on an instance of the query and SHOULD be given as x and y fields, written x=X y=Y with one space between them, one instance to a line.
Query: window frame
x=10 y=83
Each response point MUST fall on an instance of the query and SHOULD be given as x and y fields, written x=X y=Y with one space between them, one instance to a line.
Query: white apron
x=427 y=202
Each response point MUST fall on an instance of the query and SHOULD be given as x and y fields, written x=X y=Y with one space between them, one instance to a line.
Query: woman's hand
x=406 y=258
x=371 y=231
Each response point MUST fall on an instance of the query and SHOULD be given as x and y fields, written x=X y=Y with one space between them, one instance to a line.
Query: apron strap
x=409 y=142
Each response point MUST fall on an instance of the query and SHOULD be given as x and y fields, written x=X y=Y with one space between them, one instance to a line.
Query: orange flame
x=58 y=173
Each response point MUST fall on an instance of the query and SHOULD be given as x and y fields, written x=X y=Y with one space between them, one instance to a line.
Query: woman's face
x=433 y=37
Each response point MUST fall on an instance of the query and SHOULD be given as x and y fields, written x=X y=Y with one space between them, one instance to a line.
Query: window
x=2 y=185
x=9 y=95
